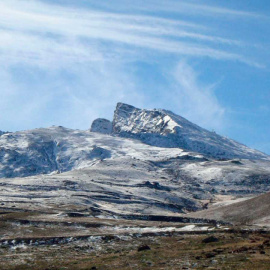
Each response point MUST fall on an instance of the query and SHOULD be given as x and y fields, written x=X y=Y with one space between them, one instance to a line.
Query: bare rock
x=210 y=239
x=143 y=248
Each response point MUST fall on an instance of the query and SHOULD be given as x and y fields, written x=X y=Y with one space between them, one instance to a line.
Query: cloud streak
x=191 y=8
x=85 y=59
x=197 y=101
x=35 y=31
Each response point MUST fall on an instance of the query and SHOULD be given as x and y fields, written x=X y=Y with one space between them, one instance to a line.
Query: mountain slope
x=46 y=150
x=109 y=174
x=165 y=129
x=255 y=211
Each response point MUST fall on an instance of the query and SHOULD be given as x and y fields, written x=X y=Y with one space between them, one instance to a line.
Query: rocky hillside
x=165 y=129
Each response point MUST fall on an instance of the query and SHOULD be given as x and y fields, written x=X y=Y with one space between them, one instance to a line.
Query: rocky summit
x=165 y=129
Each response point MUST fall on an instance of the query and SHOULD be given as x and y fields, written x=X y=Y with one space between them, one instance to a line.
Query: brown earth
x=255 y=211
x=233 y=250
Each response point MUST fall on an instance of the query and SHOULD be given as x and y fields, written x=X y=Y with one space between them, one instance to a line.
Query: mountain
x=165 y=129
x=45 y=150
x=149 y=177
x=69 y=170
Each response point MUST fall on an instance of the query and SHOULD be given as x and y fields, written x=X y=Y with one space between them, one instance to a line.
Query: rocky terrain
x=146 y=174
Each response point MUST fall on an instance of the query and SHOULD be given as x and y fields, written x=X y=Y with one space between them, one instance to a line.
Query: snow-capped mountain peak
x=165 y=129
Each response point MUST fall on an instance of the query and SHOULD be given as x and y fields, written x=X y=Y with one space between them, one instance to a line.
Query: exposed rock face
x=101 y=125
x=165 y=129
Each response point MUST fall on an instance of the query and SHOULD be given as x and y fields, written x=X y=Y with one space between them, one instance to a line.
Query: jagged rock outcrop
x=165 y=129
x=101 y=125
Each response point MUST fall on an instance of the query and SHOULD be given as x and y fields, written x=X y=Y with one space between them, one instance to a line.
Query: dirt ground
x=35 y=241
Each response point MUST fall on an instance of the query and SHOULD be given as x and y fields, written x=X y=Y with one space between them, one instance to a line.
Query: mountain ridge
x=46 y=150
x=164 y=128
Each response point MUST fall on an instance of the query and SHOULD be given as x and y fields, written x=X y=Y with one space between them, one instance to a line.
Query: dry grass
x=232 y=251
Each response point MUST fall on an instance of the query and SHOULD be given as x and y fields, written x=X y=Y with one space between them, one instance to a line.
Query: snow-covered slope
x=165 y=129
x=137 y=179
x=88 y=171
x=60 y=149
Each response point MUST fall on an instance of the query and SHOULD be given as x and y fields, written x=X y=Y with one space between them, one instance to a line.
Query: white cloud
x=206 y=10
x=96 y=49
x=197 y=102
x=36 y=32
x=182 y=7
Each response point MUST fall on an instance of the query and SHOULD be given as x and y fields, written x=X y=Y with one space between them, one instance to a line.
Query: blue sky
x=67 y=62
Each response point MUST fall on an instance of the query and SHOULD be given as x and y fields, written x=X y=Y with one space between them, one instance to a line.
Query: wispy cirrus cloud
x=190 y=8
x=195 y=8
x=68 y=58
x=30 y=28
x=196 y=100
